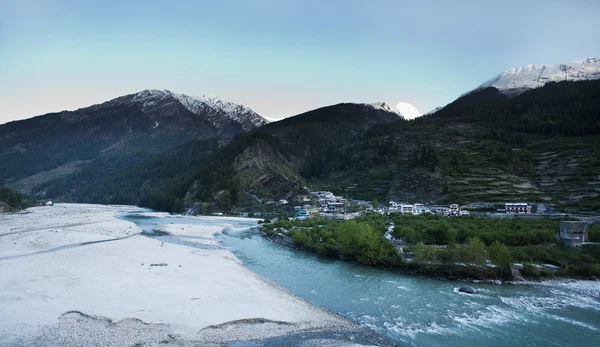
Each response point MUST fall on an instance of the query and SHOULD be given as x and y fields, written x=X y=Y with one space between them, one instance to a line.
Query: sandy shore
x=75 y=275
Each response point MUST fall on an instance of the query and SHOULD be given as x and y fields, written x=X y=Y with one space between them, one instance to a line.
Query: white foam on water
x=572 y=321
x=539 y=306
x=411 y=330
x=588 y=288
x=560 y=301
x=403 y=288
x=490 y=317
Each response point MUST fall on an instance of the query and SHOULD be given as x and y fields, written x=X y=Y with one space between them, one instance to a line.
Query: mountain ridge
x=518 y=79
x=540 y=146
x=116 y=133
x=402 y=109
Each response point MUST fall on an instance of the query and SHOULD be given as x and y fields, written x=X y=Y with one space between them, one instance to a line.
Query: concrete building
x=419 y=208
x=573 y=234
x=517 y=207
x=406 y=209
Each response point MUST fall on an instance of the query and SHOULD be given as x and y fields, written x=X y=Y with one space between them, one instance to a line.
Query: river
x=414 y=311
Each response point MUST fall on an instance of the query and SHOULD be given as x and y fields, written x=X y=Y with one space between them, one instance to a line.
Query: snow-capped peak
x=212 y=106
x=531 y=76
x=407 y=110
x=403 y=109
x=382 y=106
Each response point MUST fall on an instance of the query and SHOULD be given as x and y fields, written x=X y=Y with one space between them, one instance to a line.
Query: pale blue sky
x=278 y=57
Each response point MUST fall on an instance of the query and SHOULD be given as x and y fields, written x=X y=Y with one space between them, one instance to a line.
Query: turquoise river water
x=412 y=311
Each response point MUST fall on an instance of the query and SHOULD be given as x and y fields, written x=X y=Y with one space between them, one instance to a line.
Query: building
x=283 y=202
x=438 y=210
x=517 y=207
x=405 y=209
x=573 y=234
x=324 y=194
x=302 y=214
x=419 y=209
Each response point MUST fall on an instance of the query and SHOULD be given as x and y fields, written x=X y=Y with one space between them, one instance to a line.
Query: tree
x=424 y=253
x=500 y=256
x=449 y=254
x=474 y=251
x=375 y=203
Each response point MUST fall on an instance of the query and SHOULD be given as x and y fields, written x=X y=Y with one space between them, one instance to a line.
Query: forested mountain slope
x=106 y=137
x=541 y=146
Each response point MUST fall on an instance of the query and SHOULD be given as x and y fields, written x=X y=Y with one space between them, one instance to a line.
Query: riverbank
x=76 y=275
x=419 y=311
x=444 y=272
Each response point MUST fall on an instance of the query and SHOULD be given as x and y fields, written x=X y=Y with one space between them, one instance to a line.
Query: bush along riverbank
x=440 y=247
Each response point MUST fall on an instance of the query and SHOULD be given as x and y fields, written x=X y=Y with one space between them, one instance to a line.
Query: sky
x=278 y=57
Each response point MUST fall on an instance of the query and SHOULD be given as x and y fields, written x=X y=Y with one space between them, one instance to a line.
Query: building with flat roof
x=517 y=207
x=573 y=234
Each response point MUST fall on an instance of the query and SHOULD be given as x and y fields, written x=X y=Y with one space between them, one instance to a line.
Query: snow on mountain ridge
x=533 y=75
x=381 y=106
x=214 y=107
x=403 y=109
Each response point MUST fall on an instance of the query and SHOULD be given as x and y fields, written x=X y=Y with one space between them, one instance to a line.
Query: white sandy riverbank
x=52 y=264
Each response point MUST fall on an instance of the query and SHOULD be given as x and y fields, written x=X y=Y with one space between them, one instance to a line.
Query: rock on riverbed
x=468 y=290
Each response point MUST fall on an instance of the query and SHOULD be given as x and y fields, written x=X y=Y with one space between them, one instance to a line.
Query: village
x=327 y=204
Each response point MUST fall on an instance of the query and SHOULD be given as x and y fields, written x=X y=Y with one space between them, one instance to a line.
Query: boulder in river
x=468 y=290
x=497 y=282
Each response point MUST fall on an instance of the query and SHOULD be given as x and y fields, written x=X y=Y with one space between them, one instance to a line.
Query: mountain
x=540 y=146
x=433 y=111
x=106 y=137
x=403 y=109
x=517 y=80
x=273 y=161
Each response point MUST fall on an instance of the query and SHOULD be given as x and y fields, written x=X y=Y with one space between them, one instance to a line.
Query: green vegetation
x=358 y=240
x=500 y=256
x=594 y=233
x=442 y=246
x=12 y=199
x=465 y=240
x=436 y=229
x=159 y=182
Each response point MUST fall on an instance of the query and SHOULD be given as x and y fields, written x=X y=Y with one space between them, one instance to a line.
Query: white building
x=419 y=208
x=406 y=209
x=517 y=207
x=325 y=195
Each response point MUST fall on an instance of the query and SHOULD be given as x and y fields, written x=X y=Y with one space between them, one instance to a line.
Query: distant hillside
x=542 y=146
x=107 y=137
x=515 y=81
x=268 y=162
